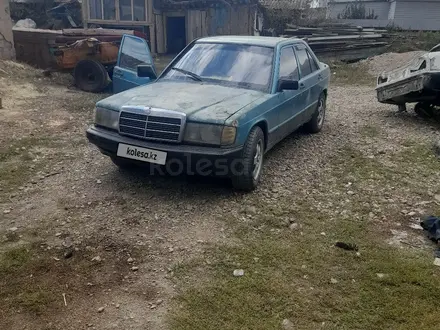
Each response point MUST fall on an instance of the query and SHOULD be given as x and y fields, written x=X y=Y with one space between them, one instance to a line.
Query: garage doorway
x=176 y=34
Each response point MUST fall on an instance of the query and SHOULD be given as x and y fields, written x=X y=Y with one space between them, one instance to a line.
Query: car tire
x=315 y=124
x=424 y=110
x=91 y=76
x=250 y=167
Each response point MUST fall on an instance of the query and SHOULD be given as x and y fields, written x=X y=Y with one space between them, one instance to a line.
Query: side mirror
x=145 y=70
x=286 y=84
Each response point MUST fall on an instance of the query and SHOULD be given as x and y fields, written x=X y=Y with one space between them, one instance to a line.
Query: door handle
x=302 y=86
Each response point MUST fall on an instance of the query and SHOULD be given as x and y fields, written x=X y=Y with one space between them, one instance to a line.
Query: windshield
x=232 y=65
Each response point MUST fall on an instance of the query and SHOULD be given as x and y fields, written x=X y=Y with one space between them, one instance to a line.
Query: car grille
x=161 y=125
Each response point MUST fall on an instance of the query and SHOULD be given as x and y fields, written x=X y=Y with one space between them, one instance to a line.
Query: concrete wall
x=6 y=39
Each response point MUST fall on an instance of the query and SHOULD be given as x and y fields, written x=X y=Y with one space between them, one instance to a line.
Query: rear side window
x=304 y=61
x=288 y=64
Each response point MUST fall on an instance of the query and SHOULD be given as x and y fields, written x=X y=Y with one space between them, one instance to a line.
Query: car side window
x=133 y=53
x=288 y=64
x=313 y=64
x=303 y=60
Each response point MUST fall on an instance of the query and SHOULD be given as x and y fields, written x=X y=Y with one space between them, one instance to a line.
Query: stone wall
x=7 y=50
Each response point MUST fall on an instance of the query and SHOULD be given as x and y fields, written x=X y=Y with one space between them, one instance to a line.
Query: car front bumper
x=107 y=141
x=422 y=87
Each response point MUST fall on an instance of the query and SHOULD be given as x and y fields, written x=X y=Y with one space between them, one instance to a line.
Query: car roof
x=248 y=40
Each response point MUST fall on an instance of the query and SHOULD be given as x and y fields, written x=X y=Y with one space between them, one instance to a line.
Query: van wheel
x=315 y=124
x=90 y=76
x=250 y=168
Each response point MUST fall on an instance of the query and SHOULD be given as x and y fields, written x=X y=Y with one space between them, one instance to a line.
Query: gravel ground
x=139 y=227
x=389 y=61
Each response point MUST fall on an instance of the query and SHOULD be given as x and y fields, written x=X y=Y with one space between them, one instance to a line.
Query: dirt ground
x=85 y=246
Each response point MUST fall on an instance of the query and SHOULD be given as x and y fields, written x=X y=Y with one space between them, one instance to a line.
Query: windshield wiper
x=188 y=73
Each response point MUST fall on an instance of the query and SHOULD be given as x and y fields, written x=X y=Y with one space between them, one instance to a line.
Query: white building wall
x=380 y=8
x=407 y=14
x=417 y=15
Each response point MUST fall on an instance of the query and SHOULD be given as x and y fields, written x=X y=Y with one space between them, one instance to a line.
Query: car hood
x=199 y=101
x=423 y=63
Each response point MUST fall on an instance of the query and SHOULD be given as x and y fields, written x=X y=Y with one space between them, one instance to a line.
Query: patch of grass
x=17 y=158
x=16 y=266
x=421 y=155
x=33 y=279
x=414 y=168
x=351 y=74
x=370 y=131
x=409 y=143
x=350 y=162
x=14 y=259
x=290 y=277
x=34 y=301
x=288 y=273
x=21 y=147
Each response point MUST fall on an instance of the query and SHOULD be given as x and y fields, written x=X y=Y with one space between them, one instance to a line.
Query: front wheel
x=249 y=172
x=315 y=124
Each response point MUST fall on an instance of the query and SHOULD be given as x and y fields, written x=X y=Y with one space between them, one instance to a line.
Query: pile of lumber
x=341 y=41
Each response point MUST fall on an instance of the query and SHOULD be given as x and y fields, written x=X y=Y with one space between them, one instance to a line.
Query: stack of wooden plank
x=341 y=41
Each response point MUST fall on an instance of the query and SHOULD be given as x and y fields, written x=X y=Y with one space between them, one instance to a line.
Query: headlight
x=107 y=118
x=209 y=134
x=228 y=135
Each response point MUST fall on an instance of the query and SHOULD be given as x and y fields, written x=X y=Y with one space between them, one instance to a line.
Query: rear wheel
x=251 y=163
x=315 y=124
x=90 y=76
x=424 y=110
